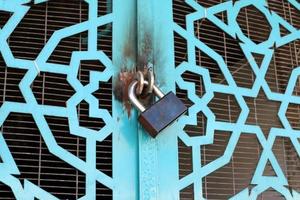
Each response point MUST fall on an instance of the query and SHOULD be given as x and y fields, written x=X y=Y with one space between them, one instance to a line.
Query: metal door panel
x=217 y=51
x=69 y=132
x=158 y=157
x=84 y=144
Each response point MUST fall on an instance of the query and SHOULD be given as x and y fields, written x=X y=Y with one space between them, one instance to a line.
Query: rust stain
x=145 y=56
x=126 y=73
x=123 y=81
x=131 y=55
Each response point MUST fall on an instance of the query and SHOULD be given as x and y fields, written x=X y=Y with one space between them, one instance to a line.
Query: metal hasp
x=159 y=115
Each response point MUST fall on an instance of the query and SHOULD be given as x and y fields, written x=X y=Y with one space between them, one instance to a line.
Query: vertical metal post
x=125 y=143
x=158 y=165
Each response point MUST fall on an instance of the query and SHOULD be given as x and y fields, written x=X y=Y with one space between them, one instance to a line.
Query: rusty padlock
x=159 y=115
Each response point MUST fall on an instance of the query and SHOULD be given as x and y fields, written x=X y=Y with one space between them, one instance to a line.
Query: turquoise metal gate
x=63 y=136
x=69 y=132
x=231 y=68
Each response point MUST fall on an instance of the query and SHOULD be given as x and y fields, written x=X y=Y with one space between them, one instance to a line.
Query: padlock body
x=162 y=113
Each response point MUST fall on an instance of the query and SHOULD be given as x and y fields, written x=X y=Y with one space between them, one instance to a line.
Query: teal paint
x=29 y=190
x=143 y=167
x=158 y=156
x=266 y=48
x=148 y=163
x=125 y=137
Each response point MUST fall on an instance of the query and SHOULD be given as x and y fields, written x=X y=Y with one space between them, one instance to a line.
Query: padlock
x=159 y=115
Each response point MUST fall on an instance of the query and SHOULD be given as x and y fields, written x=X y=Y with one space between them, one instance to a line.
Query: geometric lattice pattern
x=8 y=168
x=200 y=103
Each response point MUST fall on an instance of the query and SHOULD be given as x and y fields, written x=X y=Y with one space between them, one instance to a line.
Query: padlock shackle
x=133 y=99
